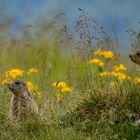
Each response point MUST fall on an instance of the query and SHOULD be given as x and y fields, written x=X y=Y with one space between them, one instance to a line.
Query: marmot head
x=17 y=87
x=135 y=57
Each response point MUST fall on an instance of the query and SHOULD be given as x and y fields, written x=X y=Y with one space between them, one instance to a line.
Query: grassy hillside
x=85 y=89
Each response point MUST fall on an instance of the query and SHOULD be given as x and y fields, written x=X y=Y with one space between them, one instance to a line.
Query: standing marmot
x=22 y=102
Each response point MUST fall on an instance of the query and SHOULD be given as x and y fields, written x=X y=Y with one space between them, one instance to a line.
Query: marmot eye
x=17 y=83
x=138 y=54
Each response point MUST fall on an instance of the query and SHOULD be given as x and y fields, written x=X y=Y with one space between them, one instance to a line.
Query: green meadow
x=85 y=87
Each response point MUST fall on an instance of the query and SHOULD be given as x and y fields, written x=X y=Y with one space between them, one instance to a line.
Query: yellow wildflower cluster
x=105 y=74
x=14 y=73
x=31 y=87
x=10 y=75
x=32 y=71
x=119 y=68
x=59 y=84
x=106 y=54
x=96 y=62
x=62 y=87
x=66 y=90
x=117 y=72
x=119 y=75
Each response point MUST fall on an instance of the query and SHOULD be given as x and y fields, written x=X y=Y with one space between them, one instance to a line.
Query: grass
x=110 y=117
x=98 y=108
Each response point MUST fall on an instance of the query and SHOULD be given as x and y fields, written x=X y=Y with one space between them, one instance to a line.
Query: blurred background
x=116 y=16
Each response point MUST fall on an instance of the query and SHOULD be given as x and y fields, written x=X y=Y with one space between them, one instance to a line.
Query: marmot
x=135 y=57
x=22 y=102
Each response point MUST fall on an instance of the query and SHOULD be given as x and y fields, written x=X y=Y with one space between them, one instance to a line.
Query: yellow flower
x=58 y=96
x=107 y=54
x=119 y=68
x=5 y=81
x=59 y=84
x=62 y=87
x=12 y=74
x=136 y=80
x=96 y=62
x=30 y=86
x=119 y=75
x=105 y=73
x=66 y=89
x=31 y=71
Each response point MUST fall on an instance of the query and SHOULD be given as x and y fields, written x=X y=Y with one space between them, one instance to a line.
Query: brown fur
x=135 y=57
x=22 y=102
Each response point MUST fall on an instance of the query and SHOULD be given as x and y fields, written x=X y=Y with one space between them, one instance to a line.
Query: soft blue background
x=114 y=15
